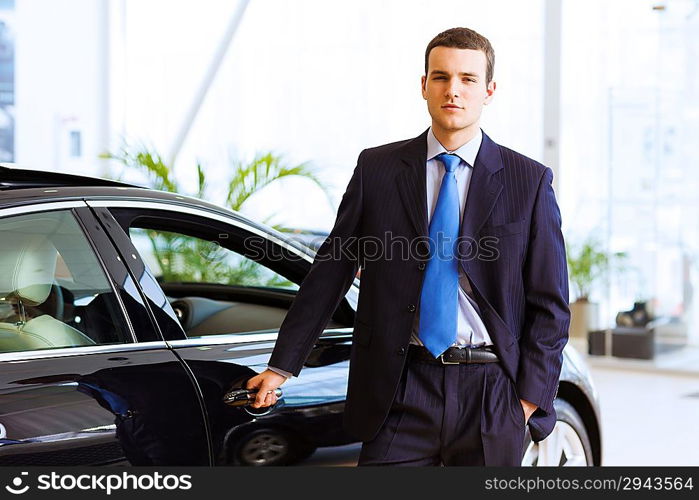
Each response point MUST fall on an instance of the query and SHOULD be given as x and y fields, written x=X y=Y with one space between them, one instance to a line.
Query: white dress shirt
x=470 y=329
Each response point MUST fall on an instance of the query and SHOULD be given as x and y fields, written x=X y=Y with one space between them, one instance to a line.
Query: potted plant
x=588 y=264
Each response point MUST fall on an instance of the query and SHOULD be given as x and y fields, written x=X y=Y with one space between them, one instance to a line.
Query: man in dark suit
x=463 y=311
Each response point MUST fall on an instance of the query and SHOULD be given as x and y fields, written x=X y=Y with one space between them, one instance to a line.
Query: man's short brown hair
x=464 y=38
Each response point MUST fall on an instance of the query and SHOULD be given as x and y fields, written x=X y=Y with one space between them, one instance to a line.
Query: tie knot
x=450 y=161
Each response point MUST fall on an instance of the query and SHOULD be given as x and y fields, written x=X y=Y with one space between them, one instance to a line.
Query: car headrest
x=27 y=267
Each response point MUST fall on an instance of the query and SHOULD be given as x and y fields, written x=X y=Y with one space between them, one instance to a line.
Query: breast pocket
x=506 y=229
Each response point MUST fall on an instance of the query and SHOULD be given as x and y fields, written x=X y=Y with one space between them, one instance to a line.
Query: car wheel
x=567 y=445
x=265 y=447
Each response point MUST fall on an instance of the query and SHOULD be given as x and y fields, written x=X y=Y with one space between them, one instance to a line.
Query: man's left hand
x=528 y=408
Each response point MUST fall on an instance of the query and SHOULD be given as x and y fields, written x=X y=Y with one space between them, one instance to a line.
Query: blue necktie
x=438 y=299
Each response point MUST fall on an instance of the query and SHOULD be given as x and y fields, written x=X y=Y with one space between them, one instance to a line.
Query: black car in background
x=126 y=315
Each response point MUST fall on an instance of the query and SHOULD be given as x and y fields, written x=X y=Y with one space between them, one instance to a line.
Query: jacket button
x=411 y=308
x=401 y=351
x=421 y=266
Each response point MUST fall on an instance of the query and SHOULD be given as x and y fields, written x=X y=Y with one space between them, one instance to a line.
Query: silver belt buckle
x=441 y=358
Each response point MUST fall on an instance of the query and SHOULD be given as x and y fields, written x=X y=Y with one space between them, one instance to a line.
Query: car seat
x=27 y=269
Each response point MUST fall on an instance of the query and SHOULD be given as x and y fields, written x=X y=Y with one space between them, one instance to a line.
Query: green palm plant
x=265 y=169
x=188 y=259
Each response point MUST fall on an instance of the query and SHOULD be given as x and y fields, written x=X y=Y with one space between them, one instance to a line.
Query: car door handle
x=243 y=397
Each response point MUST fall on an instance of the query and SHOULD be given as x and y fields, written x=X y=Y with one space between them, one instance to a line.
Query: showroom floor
x=649 y=418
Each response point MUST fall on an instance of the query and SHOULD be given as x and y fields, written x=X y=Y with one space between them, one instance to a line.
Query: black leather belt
x=455 y=355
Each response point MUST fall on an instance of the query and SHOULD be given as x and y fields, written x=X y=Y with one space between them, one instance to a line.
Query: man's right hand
x=265 y=383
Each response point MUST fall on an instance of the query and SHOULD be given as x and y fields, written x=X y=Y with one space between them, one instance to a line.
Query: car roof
x=27 y=187
x=21 y=187
x=19 y=178
x=24 y=186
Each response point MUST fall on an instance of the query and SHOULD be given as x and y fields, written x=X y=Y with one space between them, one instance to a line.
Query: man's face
x=455 y=87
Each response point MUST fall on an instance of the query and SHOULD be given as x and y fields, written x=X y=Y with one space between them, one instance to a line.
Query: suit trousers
x=460 y=414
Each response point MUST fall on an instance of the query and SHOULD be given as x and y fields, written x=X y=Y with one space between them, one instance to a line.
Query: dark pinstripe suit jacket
x=512 y=252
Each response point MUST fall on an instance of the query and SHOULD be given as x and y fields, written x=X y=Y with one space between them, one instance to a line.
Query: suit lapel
x=412 y=184
x=484 y=189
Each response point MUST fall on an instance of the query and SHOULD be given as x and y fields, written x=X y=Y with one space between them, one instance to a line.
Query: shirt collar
x=467 y=152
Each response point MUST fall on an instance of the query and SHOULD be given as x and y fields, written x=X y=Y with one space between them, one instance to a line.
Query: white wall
x=61 y=83
x=314 y=80
x=317 y=81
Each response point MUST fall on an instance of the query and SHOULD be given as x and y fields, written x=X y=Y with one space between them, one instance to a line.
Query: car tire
x=567 y=445
x=267 y=447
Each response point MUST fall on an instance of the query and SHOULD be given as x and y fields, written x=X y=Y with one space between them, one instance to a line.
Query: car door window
x=53 y=290
x=215 y=290
x=175 y=257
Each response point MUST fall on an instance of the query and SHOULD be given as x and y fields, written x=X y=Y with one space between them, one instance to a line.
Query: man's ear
x=422 y=85
x=490 y=90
